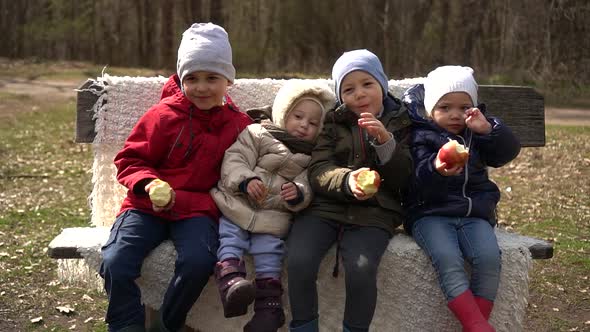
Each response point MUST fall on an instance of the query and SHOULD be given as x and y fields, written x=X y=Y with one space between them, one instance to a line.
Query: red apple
x=369 y=181
x=453 y=154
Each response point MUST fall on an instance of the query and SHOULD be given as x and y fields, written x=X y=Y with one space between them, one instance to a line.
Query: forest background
x=545 y=44
x=49 y=47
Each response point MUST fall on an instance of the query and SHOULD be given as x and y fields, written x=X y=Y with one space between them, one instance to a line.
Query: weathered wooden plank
x=64 y=252
x=541 y=250
x=84 y=116
x=522 y=108
x=73 y=241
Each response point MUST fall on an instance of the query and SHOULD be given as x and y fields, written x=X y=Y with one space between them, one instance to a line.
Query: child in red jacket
x=169 y=163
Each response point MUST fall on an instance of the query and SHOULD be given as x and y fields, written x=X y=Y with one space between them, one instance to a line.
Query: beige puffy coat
x=256 y=153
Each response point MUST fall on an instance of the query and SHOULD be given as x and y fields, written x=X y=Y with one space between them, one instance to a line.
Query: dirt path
x=43 y=90
x=567 y=116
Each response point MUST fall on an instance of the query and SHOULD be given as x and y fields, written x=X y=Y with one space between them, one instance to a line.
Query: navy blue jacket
x=468 y=194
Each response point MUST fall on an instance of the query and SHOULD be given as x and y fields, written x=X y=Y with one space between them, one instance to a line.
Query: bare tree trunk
x=266 y=36
x=440 y=53
x=167 y=35
x=150 y=46
x=385 y=30
x=141 y=21
x=216 y=13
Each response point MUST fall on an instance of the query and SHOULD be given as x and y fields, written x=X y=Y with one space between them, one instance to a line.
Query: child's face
x=205 y=89
x=449 y=111
x=303 y=121
x=361 y=92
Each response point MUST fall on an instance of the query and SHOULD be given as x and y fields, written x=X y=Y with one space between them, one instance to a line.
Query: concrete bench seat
x=409 y=295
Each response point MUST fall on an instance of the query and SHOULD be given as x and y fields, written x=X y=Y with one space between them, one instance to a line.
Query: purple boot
x=235 y=291
x=268 y=307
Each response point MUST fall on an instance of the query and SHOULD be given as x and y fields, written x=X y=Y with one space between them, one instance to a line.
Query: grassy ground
x=44 y=182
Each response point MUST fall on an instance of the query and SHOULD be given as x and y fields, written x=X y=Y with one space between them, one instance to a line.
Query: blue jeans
x=448 y=241
x=267 y=250
x=133 y=236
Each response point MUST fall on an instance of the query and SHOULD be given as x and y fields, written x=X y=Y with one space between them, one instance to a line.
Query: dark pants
x=133 y=236
x=361 y=249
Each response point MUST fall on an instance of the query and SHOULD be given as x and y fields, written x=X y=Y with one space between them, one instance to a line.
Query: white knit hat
x=448 y=79
x=205 y=46
x=294 y=91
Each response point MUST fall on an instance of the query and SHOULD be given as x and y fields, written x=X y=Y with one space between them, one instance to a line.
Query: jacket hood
x=293 y=91
x=413 y=97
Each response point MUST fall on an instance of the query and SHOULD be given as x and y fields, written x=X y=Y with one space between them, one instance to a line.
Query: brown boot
x=235 y=291
x=268 y=307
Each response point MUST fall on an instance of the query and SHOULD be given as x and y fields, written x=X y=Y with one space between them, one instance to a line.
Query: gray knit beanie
x=358 y=60
x=205 y=46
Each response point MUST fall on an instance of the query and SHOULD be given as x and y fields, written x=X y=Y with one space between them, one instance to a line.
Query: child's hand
x=161 y=194
x=289 y=191
x=374 y=127
x=354 y=187
x=442 y=169
x=477 y=122
x=257 y=190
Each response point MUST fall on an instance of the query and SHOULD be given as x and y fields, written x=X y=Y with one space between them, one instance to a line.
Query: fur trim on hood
x=295 y=89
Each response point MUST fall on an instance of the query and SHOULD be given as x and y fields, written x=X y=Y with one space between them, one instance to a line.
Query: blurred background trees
x=534 y=42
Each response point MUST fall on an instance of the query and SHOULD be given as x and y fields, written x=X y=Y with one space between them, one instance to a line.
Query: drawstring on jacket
x=338 y=240
x=191 y=133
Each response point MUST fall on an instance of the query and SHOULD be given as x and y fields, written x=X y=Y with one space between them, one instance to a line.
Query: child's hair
x=447 y=79
x=295 y=91
x=358 y=60
x=205 y=47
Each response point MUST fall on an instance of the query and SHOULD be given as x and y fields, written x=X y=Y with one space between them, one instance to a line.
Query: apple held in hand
x=160 y=193
x=453 y=154
x=369 y=181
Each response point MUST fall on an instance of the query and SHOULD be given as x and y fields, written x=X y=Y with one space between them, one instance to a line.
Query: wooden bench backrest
x=521 y=108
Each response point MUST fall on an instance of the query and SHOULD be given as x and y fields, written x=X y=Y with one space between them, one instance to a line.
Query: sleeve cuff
x=244 y=184
x=297 y=199
x=385 y=150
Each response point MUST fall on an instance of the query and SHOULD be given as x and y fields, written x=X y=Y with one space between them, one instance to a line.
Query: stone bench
x=409 y=294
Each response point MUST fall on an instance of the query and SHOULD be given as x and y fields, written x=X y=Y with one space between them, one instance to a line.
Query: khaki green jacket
x=343 y=147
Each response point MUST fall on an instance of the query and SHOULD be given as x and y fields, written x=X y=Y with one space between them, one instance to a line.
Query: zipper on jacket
x=175 y=142
x=464 y=187
x=362 y=140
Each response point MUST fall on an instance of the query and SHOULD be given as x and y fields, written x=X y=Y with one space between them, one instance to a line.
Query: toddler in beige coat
x=263 y=182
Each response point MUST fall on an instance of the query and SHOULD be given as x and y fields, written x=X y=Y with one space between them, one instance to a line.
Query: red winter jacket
x=160 y=146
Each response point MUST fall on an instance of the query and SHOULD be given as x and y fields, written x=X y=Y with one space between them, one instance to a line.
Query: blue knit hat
x=358 y=60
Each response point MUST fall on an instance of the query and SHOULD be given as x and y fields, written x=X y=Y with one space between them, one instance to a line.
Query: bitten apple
x=453 y=154
x=160 y=192
x=368 y=181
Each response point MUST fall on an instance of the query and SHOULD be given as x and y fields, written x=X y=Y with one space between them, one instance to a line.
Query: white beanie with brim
x=295 y=91
x=447 y=79
x=205 y=47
